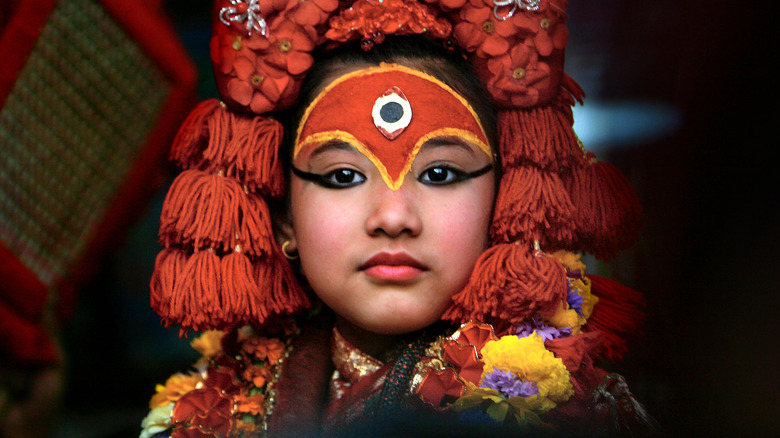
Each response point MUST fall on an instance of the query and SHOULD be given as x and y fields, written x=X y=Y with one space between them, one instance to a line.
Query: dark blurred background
x=681 y=96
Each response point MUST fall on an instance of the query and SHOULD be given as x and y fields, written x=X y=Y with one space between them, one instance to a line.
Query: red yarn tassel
x=168 y=266
x=256 y=235
x=540 y=135
x=619 y=316
x=191 y=139
x=239 y=294
x=532 y=204
x=209 y=210
x=570 y=91
x=195 y=302
x=608 y=214
x=257 y=156
x=214 y=138
x=280 y=291
x=508 y=284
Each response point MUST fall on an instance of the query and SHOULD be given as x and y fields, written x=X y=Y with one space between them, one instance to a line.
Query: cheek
x=463 y=237
x=321 y=230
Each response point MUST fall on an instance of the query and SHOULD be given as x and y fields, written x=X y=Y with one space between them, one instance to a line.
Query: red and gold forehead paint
x=348 y=110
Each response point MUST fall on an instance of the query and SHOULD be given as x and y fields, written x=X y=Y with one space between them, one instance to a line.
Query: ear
x=287 y=234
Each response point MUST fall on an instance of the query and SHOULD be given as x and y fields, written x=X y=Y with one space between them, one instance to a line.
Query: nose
x=393 y=213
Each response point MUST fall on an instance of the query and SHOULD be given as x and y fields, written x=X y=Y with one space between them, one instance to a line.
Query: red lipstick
x=397 y=267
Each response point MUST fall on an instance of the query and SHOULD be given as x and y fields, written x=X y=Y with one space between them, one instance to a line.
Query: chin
x=398 y=325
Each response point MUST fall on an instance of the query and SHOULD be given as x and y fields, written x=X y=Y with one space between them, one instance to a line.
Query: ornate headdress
x=221 y=266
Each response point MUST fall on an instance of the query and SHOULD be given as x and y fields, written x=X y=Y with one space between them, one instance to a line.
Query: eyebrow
x=330 y=145
x=449 y=141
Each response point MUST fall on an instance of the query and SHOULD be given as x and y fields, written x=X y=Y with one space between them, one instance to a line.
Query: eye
x=392 y=113
x=335 y=179
x=445 y=175
x=342 y=178
x=441 y=175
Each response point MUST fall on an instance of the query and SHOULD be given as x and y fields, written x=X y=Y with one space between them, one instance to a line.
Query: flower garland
x=513 y=378
x=261 y=50
x=227 y=394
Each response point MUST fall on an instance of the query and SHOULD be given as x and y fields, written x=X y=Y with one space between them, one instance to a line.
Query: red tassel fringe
x=168 y=266
x=207 y=210
x=282 y=294
x=608 y=215
x=192 y=137
x=195 y=300
x=541 y=135
x=245 y=147
x=532 y=204
x=204 y=291
x=509 y=284
x=619 y=316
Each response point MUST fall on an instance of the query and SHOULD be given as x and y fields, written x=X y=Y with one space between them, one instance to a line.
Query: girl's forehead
x=387 y=113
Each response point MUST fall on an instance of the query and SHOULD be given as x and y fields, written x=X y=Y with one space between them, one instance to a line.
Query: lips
x=399 y=267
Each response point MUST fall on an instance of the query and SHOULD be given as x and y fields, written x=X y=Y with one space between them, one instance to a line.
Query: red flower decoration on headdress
x=262 y=71
x=518 y=76
x=371 y=20
x=546 y=24
x=481 y=33
x=292 y=46
x=312 y=12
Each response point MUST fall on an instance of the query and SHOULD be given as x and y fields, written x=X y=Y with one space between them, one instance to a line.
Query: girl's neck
x=373 y=344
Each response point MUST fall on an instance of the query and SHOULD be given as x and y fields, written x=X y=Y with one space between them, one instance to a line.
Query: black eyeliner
x=320 y=180
x=462 y=177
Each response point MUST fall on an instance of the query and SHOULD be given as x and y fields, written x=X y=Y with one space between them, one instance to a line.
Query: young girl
x=429 y=276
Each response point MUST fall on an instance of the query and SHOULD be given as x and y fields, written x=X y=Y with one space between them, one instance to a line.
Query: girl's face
x=387 y=253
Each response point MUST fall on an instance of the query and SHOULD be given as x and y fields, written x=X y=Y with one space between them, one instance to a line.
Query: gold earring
x=289 y=256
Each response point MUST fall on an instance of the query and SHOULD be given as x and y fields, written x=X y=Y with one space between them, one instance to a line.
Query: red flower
x=480 y=32
x=476 y=334
x=292 y=46
x=227 y=47
x=465 y=360
x=256 y=84
x=202 y=412
x=312 y=12
x=547 y=25
x=439 y=387
x=461 y=352
x=222 y=379
x=518 y=76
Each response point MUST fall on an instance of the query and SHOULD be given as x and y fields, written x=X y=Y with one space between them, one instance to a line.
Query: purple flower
x=507 y=383
x=547 y=332
x=574 y=299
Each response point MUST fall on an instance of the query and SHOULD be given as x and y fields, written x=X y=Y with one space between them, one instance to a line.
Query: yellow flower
x=175 y=387
x=569 y=260
x=566 y=317
x=588 y=300
x=158 y=420
x=209 y=344
x=528 y=358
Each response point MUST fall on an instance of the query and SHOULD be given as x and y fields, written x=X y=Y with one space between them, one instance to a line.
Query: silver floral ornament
x=528 y=5
x=251 y=15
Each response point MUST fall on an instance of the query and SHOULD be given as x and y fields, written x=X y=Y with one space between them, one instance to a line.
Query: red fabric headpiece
x=392 y=111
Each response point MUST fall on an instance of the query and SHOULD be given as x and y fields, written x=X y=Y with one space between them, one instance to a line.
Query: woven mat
x=77 y=116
